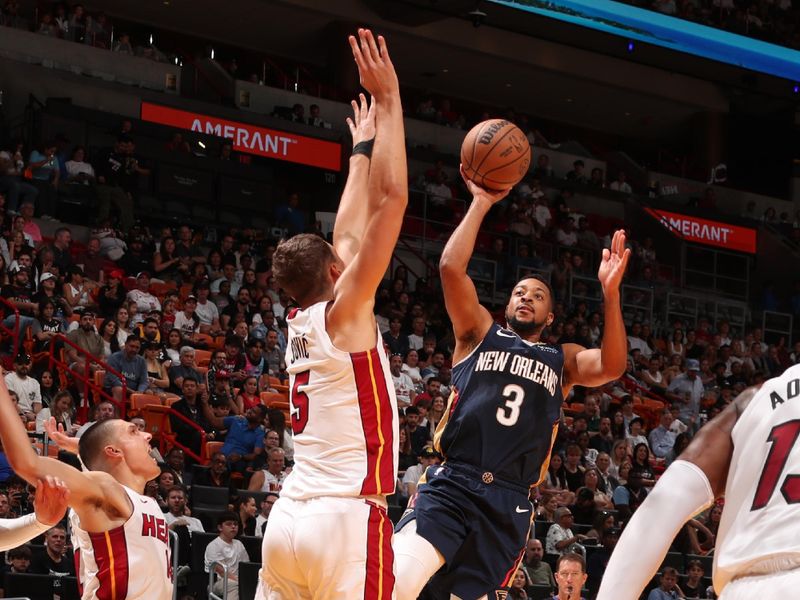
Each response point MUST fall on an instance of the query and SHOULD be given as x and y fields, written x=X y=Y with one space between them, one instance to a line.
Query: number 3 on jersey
x=299 y=403
x=509 y=413
x=783 y=438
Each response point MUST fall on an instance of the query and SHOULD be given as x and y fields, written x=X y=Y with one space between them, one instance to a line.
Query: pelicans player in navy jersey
x=329 y=536
x=115 y=527
x=472 y=514
x=749 y=453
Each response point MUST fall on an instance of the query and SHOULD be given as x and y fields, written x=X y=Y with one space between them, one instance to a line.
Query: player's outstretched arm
x=50 y=502
x=470 y=319
x=351 y=217
x=387 y=186
x=593 y=367
x=688 y=486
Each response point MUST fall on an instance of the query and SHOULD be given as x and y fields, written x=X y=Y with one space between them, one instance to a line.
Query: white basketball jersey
x=344 y=414
x=130 y=562
x=762 y=495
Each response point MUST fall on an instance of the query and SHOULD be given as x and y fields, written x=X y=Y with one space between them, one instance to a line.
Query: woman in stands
x=641 y=464
x=77 y=291
x=593 y=482
x=602 y=522
x=676 y=345
x=546 y=510
x=61 y=410
x=407 y=458
x=556 y=481
x=48 y=387
x=248 y=396
x=122 y=318
x=411 y=368
x=156 y=371
x=518 y=585
x=166 y=265
x=174 y=343
x=109 y=334
x=246 y=509
x=435 y=414
x=619 y=454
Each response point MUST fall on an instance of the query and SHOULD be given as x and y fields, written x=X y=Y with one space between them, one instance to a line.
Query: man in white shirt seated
x=145 y=301
x=620 y=185
x=427 y=457
x=229 y=551
x=176 y=517
x=270 y=479
x=27 y=388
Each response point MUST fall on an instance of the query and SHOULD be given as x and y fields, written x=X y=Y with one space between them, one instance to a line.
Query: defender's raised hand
x=613 y=263
x=362 y=125
x=375 y=67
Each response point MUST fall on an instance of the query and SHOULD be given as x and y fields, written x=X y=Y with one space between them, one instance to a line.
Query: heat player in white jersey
x=329 y=536
x=121 y=534
x=750 y=453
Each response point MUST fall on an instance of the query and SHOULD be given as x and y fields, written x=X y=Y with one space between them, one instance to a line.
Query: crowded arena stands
x=138 y=231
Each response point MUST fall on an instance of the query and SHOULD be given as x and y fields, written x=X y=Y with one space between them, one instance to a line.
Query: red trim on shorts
x=510 y=575
x=111 y=555
x=379 y=577
x=376 y=421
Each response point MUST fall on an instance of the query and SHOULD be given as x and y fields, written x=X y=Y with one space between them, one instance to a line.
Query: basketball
x=495 y=155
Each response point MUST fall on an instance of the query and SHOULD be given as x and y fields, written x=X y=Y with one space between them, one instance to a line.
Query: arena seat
x=248 y=578
x=211 y=447
x=209 y=497
x=252 y=544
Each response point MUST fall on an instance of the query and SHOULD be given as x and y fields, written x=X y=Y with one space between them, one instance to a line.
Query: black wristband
x=364 y=148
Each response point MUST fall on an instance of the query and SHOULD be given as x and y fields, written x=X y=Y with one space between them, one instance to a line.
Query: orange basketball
x=495 y=154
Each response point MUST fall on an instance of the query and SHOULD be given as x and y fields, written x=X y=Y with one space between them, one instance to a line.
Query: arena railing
x=6 y=309
x=157 y=422
x=85 y=375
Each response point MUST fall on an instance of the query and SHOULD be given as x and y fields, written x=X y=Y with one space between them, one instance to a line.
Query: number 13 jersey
x=762 y=493
x=343 y=412
x=504 y=409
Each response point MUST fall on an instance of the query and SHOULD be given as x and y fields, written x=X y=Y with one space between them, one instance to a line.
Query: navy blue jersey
x=503 y=412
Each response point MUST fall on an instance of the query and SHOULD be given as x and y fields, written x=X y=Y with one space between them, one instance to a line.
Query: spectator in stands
x=116 y=180
x=123 y=45
x=131 y=366
x=141 y=295
x=79 y=171
x=273 y=357
x=26 y=387
x=54 y=559
x=620 y=184
x=177 y=144
x=668 y=586
x=394 y=339
x=662 y=439
x=596 y=179
x=543 y=169
x=19 y=294
x=403 y=386
x=314 y=119
x=12 y=167
x=687 y=390
x=189 y=406
x=566 y=234
x=537 y=570
x=217 y=474
x=61 y=409
x=598 y=560
x=270 y=479
x=167 y=264
x=629 y=496
x=78 y=291
x=242 y=307
x=135 y=260
x=427 y=457
x=30 y=228
x=229 y=551
x=245 y=439
x=87 y=339
x=206 y=311
x=45 y=176
x=177 y=515
x=288 y=215
x=185 y=369
x=439 y=196
x=18 y=560
x=266 y=508
x=102 y=411
x=577 y=175
x=560 y=539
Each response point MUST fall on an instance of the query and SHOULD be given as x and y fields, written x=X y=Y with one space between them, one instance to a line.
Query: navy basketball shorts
x=479 y=524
